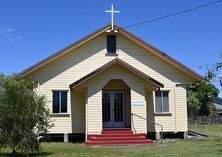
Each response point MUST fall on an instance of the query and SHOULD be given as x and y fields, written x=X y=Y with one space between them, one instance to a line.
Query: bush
x=23 y=116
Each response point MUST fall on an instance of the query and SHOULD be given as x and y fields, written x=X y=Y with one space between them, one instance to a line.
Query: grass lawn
x=181 y=148
x=211 y=147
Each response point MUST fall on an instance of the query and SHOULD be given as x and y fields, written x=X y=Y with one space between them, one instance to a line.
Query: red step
x=118 y=136
x=119 y=142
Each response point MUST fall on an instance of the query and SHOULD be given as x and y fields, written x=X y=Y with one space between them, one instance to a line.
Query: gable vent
x=111 y=43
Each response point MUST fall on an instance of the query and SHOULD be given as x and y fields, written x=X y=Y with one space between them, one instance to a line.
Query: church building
x=114 y=88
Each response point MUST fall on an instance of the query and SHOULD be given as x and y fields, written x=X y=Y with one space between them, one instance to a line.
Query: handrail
x=161 y=126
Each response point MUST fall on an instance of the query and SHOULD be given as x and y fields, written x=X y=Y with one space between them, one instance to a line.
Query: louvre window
x=111 y=44
x=59 y=102
x=162 y=101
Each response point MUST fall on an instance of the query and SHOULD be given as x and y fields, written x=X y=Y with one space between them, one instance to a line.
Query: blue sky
x=33 y=30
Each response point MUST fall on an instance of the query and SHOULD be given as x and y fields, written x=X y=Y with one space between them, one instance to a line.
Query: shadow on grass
x=25 y=155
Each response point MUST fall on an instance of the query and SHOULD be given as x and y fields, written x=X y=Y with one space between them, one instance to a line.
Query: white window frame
x=162 y=101
x=60 y=91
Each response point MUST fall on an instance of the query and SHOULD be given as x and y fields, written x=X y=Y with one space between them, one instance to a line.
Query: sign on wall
x=137 y=102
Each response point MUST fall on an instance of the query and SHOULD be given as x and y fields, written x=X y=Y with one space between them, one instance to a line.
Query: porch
x=107 y=98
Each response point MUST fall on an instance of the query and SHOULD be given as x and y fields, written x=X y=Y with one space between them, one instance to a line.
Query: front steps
x=120 y=136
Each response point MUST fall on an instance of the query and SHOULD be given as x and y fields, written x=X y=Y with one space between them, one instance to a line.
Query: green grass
x=211 y=147
x=181 y=148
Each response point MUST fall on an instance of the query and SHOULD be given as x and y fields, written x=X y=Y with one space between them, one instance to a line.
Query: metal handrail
x=161 y=126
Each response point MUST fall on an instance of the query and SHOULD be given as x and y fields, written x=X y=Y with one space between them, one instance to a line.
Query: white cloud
x=9 y=34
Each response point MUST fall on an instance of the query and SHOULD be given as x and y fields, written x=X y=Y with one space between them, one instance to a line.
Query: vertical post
x=206 y=129
x=196 y=125
x=86 y=115
x=161 y=135
x=132 y=123
x=185 y=135
x=158 y=135
x=66 y=137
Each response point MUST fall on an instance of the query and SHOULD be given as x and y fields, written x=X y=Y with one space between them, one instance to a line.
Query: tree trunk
x=13 y=152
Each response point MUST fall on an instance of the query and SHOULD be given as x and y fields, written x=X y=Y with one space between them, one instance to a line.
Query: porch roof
x=122 y=63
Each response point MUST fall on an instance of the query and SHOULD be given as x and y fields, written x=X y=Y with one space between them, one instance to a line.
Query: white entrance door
x=113 y=109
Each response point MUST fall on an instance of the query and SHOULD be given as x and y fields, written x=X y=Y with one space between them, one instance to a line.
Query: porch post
x=86 y=115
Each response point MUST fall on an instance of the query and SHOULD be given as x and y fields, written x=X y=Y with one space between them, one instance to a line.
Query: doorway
x=113 y=106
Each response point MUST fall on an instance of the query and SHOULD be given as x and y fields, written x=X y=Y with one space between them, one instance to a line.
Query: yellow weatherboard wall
x=84 y=106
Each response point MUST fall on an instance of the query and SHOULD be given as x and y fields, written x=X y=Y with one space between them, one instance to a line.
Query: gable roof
x=125 y=33
x=114 y=62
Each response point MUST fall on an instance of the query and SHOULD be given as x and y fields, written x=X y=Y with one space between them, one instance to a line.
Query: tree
x=2 y=76
x=23 y=116
x=214 y=70
x=200 y=98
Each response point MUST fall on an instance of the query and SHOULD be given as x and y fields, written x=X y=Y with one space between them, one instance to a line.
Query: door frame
x=112 y=114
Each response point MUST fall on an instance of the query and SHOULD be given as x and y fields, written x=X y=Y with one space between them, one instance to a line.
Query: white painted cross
x=112 y=11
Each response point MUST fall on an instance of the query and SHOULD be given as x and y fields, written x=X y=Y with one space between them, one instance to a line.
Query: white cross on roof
x=112 y=11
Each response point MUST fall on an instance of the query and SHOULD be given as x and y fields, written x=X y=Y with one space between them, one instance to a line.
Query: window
x=59 y=102
x=162 y=101
x=35 y=85
x=111 y=44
